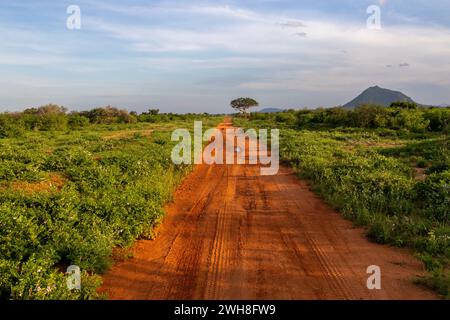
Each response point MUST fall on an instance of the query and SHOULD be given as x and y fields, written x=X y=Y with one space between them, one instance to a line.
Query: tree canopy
x=243 y=104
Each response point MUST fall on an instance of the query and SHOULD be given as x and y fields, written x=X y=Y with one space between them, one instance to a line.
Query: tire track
x=233 y=234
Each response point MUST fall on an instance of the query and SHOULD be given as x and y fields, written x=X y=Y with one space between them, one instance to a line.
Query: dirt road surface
x=234 y=234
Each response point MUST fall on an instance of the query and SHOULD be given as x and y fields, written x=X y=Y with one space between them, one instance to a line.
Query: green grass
x=108 y=192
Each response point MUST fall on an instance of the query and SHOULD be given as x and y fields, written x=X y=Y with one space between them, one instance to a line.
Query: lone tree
x=243 y=104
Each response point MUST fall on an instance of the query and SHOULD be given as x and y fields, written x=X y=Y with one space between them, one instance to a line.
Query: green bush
x=285 y=117
x=77 y=121
x=434 y=195
x=10 y=126
x=438 y=118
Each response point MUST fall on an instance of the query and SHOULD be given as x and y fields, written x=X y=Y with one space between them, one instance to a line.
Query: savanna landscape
x=81 y=188
x=206 y=159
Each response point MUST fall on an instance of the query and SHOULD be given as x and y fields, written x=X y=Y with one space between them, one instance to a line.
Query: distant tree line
x=57 y=118
x=398 y=116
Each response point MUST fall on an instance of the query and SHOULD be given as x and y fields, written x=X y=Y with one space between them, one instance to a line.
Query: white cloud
x=270 y=42
x=262 y=35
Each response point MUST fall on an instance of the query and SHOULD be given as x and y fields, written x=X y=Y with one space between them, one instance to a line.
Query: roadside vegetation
x=387 y=169
x=75 y=188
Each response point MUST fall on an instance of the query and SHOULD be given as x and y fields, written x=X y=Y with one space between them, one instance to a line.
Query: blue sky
x=195 y=56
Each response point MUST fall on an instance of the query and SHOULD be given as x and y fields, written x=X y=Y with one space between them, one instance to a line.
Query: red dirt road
x=234 y=234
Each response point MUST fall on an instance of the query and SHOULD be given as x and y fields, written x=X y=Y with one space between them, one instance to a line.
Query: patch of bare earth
x=420 y=174
x=373 y=144
x=53 y=183
x=127 y=133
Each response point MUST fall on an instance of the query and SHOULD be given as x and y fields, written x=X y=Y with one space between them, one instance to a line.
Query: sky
x=196 y=56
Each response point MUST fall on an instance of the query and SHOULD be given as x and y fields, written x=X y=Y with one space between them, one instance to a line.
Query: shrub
x=412 y=120
x=285 y=117
x=370 y=116
x=10 y=126
x=434 y=195
x=77 y=121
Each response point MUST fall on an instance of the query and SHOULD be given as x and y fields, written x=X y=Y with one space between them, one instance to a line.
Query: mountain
x=377 y=95
x=271 y=110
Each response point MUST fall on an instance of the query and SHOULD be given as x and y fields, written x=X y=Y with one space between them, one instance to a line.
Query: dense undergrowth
x=71 y=197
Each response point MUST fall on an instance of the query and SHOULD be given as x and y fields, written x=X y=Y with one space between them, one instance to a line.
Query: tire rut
x=233 y=234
